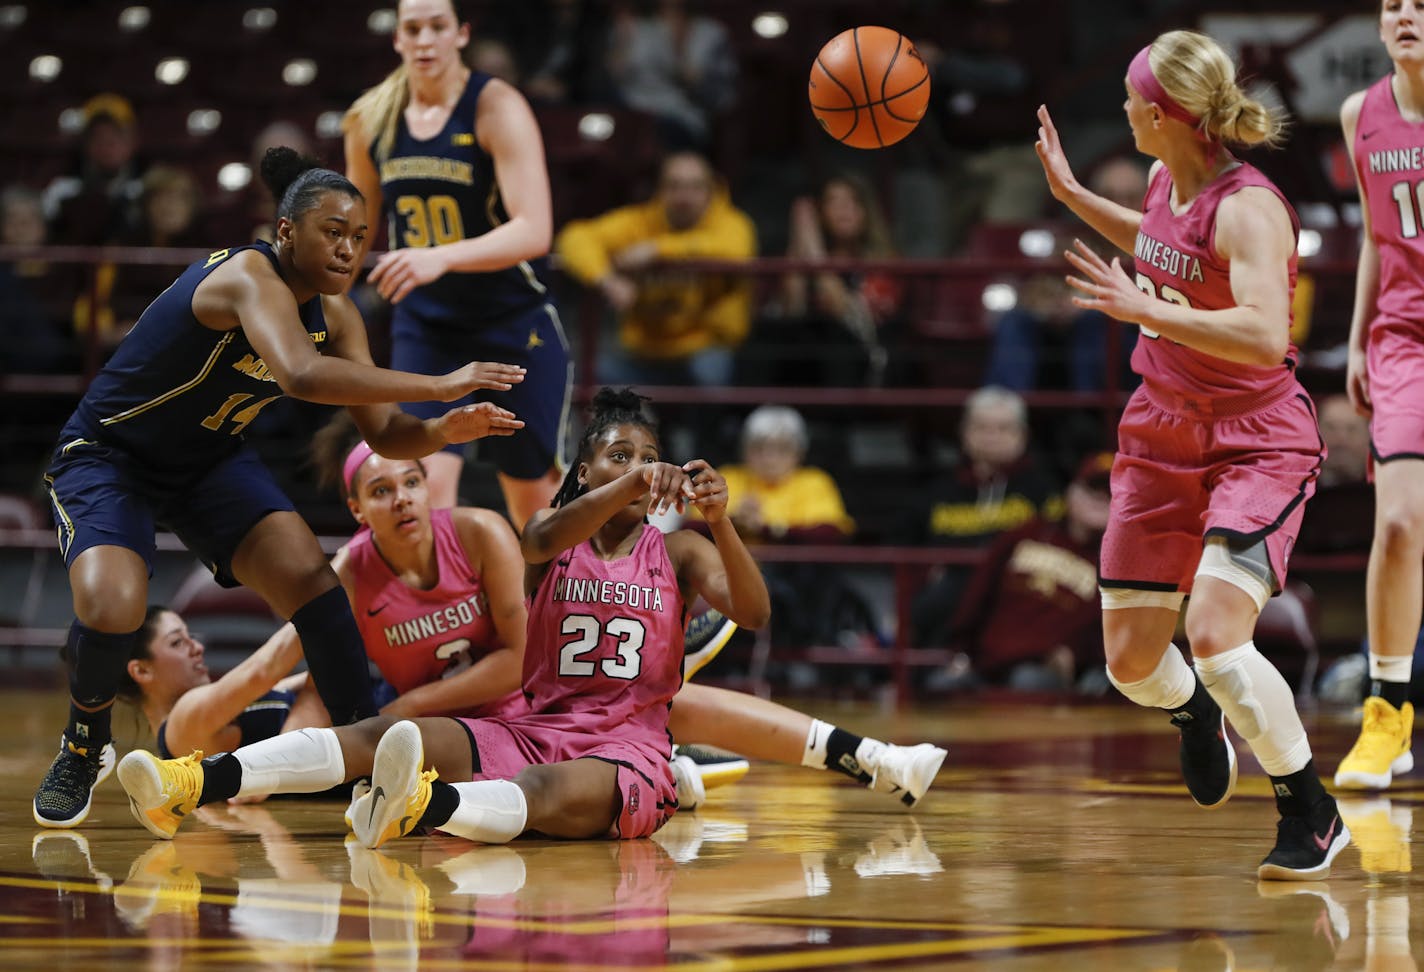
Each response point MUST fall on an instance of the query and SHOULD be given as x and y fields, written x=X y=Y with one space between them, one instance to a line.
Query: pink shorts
x=1199 y=468
x=646 y=790
x=1394 y=360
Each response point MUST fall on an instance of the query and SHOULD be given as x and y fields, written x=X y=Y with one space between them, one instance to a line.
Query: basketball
x=869 y=87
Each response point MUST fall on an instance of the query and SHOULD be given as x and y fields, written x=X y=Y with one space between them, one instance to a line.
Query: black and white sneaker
x=67 y=790
x=705 y=636
x=1207 y=757
x=1303 y=853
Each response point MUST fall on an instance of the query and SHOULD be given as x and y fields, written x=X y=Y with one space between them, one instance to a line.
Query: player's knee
x=541 y=791
x=361 y=738
x=1400 y=529
x=1128 y=658
x=115 y=610
x=1209 y=633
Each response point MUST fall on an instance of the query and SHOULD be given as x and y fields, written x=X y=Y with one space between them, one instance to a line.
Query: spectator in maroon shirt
x=1031 y=619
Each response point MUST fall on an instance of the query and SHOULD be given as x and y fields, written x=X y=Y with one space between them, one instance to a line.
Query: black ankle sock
x=1200 y=706
x=444 y=798
x=1301 y=793
x=222 y=778
x=89 y=729
x=1395 y=693
x=840 y=755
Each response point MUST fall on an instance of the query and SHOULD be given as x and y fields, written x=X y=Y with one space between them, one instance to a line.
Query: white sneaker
x=360 y=789
x=690 y=791
x=400 y=791
x=907 y=771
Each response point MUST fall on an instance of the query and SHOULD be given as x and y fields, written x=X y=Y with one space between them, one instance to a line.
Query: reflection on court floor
x=1054 y=838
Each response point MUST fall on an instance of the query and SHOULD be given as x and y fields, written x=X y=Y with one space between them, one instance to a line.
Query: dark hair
x=297 y=182
x=330 y=446
x=610 y=407
x=128 y=689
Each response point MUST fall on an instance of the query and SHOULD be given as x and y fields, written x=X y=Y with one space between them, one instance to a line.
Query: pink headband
x=359 y=454
x=1140 y=76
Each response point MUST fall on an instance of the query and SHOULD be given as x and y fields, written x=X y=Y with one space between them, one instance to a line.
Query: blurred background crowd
x=915 y=420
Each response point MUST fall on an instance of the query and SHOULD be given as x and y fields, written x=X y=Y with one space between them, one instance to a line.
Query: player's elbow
x=1271 y=350
x=754 y=616
x=302 y=382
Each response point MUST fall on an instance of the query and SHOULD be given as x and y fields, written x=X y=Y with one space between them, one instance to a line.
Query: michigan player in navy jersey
x=158 y=440
x=454 y=160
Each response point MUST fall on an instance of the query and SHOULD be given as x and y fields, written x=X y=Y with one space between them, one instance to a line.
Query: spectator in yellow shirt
x=773 y=496
x=674 y=328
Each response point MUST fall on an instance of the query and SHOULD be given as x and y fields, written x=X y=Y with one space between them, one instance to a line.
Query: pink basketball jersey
x=1389 y=161
x=416 y=637
x=1177 y=261
x=605 y=643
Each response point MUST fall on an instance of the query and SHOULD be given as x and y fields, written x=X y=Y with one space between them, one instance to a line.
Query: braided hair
x=610 y=407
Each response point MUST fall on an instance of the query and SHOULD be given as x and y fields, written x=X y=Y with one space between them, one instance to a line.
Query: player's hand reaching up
x=1061 y=180
x=668 y=486
x=470 y=422
x=479 y=376
x=709 y=489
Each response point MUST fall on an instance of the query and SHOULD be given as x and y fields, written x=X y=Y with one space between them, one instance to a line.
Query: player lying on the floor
x=742 y=723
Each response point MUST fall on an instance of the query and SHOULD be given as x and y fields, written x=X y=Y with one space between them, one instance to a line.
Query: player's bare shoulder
x=1253 y=220
x=235 y=277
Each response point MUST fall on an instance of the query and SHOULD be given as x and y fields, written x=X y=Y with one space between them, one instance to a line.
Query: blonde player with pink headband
x=1219 y=447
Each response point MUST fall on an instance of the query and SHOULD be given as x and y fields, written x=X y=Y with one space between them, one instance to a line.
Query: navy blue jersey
x=442 y=190
x=261 y=720
x=177 y=395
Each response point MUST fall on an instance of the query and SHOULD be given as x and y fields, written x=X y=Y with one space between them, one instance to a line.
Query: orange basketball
x=869 y=87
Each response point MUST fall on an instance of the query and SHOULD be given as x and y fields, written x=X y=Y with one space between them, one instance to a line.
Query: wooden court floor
x=1055 y=838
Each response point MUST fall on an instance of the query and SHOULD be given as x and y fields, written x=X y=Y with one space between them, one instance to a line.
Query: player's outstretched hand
x=477 y=376
x=709 y=489
x=1106 y=286
x=470 y=422
x=1061 y=180
x=668 y=486
x=398 y=272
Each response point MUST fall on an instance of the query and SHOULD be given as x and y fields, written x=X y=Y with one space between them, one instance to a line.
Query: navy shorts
x=101 y=495
x=534 y=339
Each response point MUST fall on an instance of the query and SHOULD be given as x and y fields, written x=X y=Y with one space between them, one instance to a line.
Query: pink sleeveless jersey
x=416 y=637
x=1389 y=161
x=1176 y=260
x=605 y=643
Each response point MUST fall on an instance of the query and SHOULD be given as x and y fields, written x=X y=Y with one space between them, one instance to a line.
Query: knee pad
x=1227 y=677
x=1171 y=683
x=1248 y=568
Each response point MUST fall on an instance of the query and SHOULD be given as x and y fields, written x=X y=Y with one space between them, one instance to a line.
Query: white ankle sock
x=1391 y=668
x=490 y=811
x=1260 y=705
x=816 y=739
x=307 y=761
x=1170 y=685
